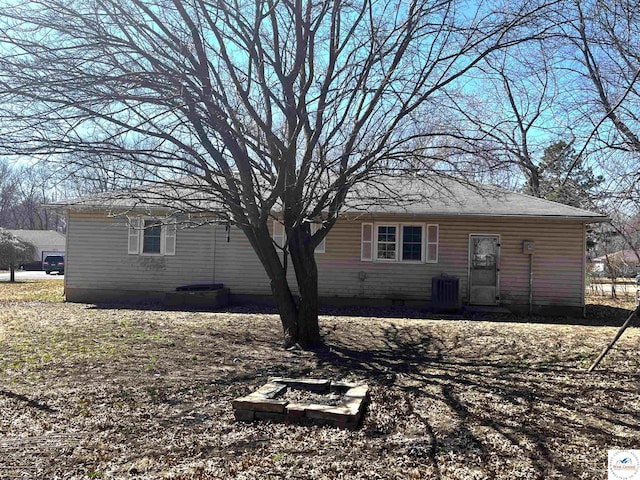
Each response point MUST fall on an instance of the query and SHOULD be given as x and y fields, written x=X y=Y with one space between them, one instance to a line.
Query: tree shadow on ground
x=27 y=401
x=606 y=315
x=454 y=398
x=596 y=315
x=397 y=311
x=497 y=406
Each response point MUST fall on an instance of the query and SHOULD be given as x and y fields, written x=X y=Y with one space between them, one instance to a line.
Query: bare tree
x=272 y=106
x=511 y=112
x=37 y=184
x=603 y=38
x=24 y=188
x=8 y=194
x=86 y=173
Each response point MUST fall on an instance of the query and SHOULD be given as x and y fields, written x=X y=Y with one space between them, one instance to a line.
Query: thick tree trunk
x=12 y=273
x=304 y=264
x=286 y=308
x=533 y=179
x=299 y=319
x=262 y=244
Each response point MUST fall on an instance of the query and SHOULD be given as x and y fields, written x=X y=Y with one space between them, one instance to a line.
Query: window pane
x=412 y=252
x=387 y=234
x=412 y=234
x=386 y=243
x=152 y=234
x=387 y=251
x=412 y=243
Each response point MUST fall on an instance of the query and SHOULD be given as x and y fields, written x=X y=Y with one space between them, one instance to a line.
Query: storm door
x=484 y=269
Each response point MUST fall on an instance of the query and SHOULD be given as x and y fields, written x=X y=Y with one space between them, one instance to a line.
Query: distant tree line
x=24 y=189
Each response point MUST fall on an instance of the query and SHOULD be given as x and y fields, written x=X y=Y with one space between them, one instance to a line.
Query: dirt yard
x=87 y=392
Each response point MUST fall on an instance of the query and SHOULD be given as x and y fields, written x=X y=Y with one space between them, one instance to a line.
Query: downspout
x=67 y=215
x=215 y=234
x=530 y=284
x=528 y=250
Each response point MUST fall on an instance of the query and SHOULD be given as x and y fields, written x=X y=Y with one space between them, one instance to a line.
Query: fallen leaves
x=123 y=393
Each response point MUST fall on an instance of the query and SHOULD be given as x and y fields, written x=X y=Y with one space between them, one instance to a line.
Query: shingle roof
x=40 y=237
x=390 y=195
x=446 y=196
x=626 y=256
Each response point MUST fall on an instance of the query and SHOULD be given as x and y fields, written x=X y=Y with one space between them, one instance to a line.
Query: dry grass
x=32 y=290
x=107 y=393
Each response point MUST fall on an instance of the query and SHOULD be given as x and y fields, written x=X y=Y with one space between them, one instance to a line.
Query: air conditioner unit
x=444 y=293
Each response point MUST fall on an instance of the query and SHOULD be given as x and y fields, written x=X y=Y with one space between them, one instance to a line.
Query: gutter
x=137 y=208
x=587 y=219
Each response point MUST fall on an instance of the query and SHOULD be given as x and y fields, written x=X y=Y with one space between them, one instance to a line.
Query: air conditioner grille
x=444 y=293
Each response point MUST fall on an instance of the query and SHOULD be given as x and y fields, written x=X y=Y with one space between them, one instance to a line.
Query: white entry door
x=484 y=269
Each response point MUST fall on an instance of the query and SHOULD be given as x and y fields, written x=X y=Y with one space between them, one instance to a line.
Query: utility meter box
x=527 y=247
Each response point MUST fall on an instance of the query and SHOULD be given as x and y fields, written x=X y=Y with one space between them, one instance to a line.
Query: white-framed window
x=411 y=241
x=279 y=236
x=399 y=242
x=322 y=246
x=150 y=236
x=386 y=242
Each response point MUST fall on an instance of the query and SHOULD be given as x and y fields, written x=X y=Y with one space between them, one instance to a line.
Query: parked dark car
x=53 y=263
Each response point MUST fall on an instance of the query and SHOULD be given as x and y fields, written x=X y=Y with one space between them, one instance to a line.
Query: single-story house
x=624 y=263
x=47 y=242
x=504 y=248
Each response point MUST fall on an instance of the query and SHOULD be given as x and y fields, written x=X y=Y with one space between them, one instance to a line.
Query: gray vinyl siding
x=237 y=266
x=97 y=259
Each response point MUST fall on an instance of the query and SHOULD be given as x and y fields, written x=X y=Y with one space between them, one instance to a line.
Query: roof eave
x=585 y=218
x=95 y=208
x=137 y=208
